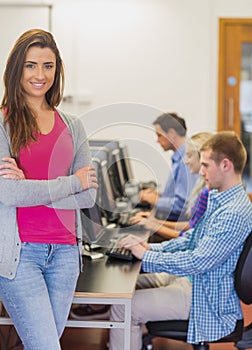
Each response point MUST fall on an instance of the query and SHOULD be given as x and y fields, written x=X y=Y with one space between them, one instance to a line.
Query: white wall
x=128 y=60
x=161 y=54
x=148 y=55
x=156 y=53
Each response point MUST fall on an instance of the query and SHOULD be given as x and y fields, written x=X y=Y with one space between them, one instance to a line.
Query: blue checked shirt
x=208 y=254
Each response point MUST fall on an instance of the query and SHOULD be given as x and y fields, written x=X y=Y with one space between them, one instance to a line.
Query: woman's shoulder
x=73 y=122
x=66 y=116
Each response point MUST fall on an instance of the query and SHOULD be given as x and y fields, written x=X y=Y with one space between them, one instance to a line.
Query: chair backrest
x=243 y=272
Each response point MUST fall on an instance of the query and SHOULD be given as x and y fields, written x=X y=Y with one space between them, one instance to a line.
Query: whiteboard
x=14 y=20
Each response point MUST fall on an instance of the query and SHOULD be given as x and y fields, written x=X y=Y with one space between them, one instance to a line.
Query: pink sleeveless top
x=51 y=156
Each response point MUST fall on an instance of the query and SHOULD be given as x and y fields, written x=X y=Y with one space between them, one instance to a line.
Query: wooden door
x=235 y=84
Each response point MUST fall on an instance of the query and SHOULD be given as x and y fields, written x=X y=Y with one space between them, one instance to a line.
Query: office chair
x=242 y=337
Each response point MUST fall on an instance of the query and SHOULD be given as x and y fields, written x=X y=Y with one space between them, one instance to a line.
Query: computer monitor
x=126 y=164
x=95 y=218
x=123 y=155
x=117 y=171
x=105 y=196
x=92 y=225
x=114 y=166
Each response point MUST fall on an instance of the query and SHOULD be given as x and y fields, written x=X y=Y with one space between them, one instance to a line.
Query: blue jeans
x=39 y=298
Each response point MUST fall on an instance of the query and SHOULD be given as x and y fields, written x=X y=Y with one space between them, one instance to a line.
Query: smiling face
x=192 y=158
x=38 y=72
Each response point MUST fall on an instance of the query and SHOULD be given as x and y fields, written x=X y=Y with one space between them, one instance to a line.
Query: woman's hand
x=152 y=224
x=140 y=217
x=10 y=170
x=87 y=177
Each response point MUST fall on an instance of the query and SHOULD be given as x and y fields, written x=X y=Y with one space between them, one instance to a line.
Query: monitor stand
x=90 y=250
x=91 y=254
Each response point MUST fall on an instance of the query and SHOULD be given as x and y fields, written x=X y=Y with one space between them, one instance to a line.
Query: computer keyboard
x=119 y=253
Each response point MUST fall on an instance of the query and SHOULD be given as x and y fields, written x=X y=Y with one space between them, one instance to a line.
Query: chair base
x=201 y=347
x=177 y=330
x=147 y=345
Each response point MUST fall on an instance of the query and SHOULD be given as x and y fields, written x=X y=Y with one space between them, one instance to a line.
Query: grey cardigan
x=64 y=192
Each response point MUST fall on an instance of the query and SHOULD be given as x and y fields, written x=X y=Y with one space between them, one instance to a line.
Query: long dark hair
x=18 y=116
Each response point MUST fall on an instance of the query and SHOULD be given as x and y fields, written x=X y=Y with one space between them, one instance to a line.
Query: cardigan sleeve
x=21 y=193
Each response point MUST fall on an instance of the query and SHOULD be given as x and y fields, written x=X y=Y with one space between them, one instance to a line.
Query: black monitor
x=95 y=218
x=105 y=196
x=126 y=164
x=114 y=165
x=124 y=155
x=92 y=225
x=117 y=171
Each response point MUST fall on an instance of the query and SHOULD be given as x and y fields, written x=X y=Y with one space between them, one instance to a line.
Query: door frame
x=223 y=22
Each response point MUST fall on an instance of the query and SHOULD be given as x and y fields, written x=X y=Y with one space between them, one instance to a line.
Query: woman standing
x=45 y=178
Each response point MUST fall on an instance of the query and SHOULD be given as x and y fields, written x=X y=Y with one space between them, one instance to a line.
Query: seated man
x=202 y=262
x=171 y=135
